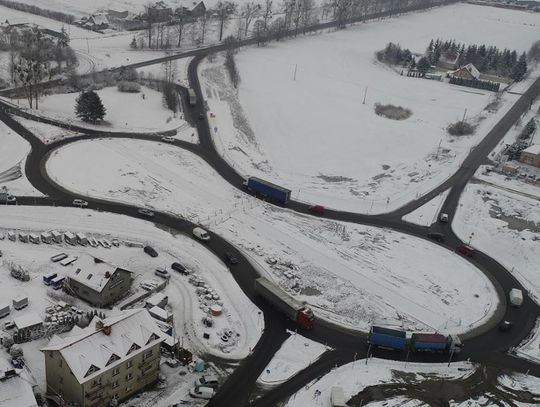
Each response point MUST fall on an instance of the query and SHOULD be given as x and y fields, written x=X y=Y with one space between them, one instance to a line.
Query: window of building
x=115 y=385
x=89 y=276
x=129 y=376
x=60 y=363
x=61 y=380
x=115 y=371
x=153 y=337
x=129 y=363
x=147 y=354
x=133 y=347
x=96 y=382
x=112 y=359
x=128 y=389
x=91 y=369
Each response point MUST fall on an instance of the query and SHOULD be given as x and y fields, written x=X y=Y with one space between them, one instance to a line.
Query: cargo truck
x=294 y=309
x=268 y=190
x=4 y=310
x=421 y=342
x=516 y=297
x=192 y=97
x=387 y=338
x=20 y=302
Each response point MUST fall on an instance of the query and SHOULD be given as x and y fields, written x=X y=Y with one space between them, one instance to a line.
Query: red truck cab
x=465 y=250
x=304 y=318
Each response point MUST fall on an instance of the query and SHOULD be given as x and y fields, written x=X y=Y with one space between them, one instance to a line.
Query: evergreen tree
x=133 y=44
x=519 y=69
x=63 y=40
x=89 y=107
x=423 y=65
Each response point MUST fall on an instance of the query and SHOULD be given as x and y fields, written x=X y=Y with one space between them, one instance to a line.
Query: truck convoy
x=268 y=190
x=418 y=342
x=295 y=310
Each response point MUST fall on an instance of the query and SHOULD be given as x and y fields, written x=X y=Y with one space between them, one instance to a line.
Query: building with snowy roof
x=468 y=71
x=113 y=358
x=15 y=386
x=531 y=155
x=97 y=281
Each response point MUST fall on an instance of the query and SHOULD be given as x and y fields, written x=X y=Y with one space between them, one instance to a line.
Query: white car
x=168 y=139
x=163 y=273
x=80 y=203
x=201 y=234
x=443 y=217
x=202 y=392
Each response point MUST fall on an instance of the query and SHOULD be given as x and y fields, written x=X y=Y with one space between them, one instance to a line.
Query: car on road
x=146 y=213
x=80 y=203
x=318 y=209
x=201 y=116
x=202 y=392
x=505 y=326
x=149 y=250
x=201 y=234
x=168 y=139
x=231 y=258
x=443 y=217
x=465 y=250
x=439 y=237
x=180 y=268
x=163 y=273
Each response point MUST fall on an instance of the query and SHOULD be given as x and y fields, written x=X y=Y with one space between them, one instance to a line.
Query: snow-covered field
x=239 y=314
x=504 y=225
x=296 y=353
x=355 y=376
x=350 y=273
x=329 y=147
x=13 y=152
x=530 y=347
x=124 y=111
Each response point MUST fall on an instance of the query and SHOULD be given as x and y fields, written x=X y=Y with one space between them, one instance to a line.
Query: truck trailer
x=294 y=309
x=192 y=97
x=387 y=338
x=421 y=342
x=268 y=190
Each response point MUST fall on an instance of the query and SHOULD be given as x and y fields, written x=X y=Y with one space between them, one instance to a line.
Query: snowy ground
x=326 y=137
x=13 y=152
x=349 y=273
x=353 y=377
x=530 y=347
x=427 y=213
x=504 y=225
x=296 y=353
x=239 y=314
x=124 y=111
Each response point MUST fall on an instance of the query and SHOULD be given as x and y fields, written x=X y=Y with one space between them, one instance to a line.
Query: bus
x=49 y=278
x=58 y=282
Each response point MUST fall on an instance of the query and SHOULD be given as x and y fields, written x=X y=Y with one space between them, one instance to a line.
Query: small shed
x=160 y=314
x=12 y=236
x=46 y=237
x=34 y=238
x=157 y=300
x=81 y=239
x=56 y=236
x=70 y=238
x=23 y=237
x=28 y=322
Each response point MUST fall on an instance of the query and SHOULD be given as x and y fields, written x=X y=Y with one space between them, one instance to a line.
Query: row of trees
x=29 y=8
x=266 y=19
x=488 y=59
x=475 y=83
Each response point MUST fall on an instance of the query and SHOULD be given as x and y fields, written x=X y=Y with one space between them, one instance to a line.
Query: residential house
x=468 y=71
x=159 y=12
x=531 y=155
x=449 y=60
x=191 y=8
x=15 y=386
x=96 y=281
x=111 y=359
x=96 y=22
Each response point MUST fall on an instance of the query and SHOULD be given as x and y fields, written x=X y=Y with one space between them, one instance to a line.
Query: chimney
x=107 y=330
x=107 y=274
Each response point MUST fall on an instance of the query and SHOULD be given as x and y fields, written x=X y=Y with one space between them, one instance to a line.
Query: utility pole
x=365 y=94
x=87 y=45
x=464 y=115
x=295 y=69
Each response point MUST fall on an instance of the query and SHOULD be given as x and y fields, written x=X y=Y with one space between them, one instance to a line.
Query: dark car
x=178 y=267
x=146 y=213
x=439 y=237
x=318 y=209
x=201 y=116
x=505 y=326
x=149 y=250
x=231 y=258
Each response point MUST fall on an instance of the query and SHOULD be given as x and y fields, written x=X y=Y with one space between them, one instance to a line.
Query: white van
x=202 y=392
x=201 y=234
x=516 y=297
x=207 y=381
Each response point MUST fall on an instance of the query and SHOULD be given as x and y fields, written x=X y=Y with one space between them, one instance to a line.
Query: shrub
x=392 y=112
x=460 y=128
x=129 y=87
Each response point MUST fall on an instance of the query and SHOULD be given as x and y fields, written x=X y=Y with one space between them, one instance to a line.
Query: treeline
x=475 y=83
x=395 y=55
x=487 y=59
x=28 y=8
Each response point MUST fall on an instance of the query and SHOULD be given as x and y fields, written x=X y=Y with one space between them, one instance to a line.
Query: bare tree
x=179 y=26
x=169 y=71
x=248 y=12
x=307 y=16
x=267 y=14
x=202 y=23
x=149 y=23
x=342 y=12
x=223 y=10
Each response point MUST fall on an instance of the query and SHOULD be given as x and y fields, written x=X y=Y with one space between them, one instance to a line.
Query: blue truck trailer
x=268 y=190
x=387 y=338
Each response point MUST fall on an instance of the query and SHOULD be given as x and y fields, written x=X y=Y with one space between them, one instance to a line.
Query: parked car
x=202 y=392
x=439 y=237
x=318 y=209
x=168 y=139
x=465 y=250
x=180 y=268
x=172 y=362
x=149 y=250
x=208 y=381
x=9 y=325
x=80 y=203
x=443 y=217
x=231 y=258
x=146 y=213
x=161 y=272
x=505 y=326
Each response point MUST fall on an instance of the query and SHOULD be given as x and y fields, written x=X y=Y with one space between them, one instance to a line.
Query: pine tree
x=133 y=44
x=423 y=65
x=89 y=107
x=519 y=69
